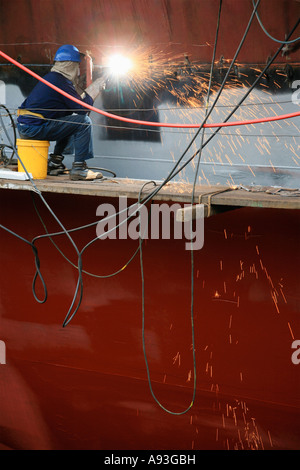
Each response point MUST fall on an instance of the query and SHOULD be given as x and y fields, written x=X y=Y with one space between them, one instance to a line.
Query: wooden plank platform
x=217 y=198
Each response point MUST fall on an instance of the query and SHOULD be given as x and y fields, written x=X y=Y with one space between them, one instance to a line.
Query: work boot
x=55 y=165
x=80 y=171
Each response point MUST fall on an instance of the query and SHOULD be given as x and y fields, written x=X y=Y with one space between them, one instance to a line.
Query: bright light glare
x=119 y=65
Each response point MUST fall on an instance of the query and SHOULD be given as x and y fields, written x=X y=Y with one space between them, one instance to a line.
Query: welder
x=48 y=115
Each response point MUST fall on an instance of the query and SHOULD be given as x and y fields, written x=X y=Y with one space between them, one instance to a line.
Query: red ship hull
x=168 y=28
x=85 y=386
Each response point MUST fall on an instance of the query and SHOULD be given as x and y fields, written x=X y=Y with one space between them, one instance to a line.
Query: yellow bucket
x=34 y=156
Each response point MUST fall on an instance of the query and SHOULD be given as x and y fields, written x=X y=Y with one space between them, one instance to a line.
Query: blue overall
x=60 y=124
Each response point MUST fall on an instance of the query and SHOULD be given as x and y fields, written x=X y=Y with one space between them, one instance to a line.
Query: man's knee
x=83 y=124
x=86 y=127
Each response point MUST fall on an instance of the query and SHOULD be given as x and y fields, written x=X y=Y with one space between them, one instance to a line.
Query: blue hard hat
x=67 y=53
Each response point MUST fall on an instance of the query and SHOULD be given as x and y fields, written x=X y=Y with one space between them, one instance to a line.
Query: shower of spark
x=183 y=85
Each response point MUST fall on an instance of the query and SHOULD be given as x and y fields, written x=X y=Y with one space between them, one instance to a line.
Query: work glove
x=95 y=88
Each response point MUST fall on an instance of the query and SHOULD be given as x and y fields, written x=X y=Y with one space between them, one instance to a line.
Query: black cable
x=37 y=264
x=269 y=35
x=79 y=286
x=192 y=277
x=34 y=249
x=207 y=100
x=69 y=317
x=12 y=147
x=98 y=276
x=192 y=259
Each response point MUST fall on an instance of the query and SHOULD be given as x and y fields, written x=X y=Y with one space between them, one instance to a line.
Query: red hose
x=148 y=123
